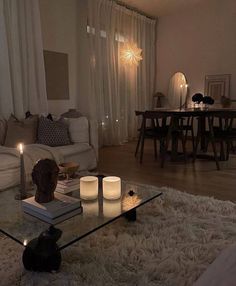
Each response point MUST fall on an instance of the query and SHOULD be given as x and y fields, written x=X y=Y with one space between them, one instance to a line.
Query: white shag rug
x=173 y=241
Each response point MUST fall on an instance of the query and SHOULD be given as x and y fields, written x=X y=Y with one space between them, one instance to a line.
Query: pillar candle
x=111 y=188
x=89 y=187
x=111 y=208
x=91 y=208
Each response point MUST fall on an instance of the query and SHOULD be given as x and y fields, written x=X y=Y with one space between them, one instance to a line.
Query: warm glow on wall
x=131 y=54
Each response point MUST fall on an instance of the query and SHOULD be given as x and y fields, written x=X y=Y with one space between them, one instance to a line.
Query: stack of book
x=61 y=208
x=67 y=186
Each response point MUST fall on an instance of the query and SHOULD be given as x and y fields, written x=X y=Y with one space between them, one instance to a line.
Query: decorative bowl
x=68 y=168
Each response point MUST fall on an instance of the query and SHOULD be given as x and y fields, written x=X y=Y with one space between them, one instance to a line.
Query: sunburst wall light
x=131 y=54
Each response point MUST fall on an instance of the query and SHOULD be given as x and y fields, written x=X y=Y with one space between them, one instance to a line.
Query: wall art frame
x=217 y=86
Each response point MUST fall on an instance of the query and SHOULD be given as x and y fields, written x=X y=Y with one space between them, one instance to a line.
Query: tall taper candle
x=180 y=99
x=186 y=95
x=22 y=194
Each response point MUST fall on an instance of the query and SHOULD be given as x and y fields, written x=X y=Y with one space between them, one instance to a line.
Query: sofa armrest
x=93 y=135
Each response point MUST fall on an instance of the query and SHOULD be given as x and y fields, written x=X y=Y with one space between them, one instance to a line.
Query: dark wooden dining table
x=200 y=113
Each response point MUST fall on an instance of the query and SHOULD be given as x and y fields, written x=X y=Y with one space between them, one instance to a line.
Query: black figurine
x=42 y=253
x=44 y=176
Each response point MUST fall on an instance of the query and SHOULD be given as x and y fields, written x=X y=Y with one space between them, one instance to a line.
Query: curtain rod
x=135 y=10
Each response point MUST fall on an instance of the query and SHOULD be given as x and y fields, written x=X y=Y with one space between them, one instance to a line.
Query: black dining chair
x=154 y=126
x=150 y=127
x=220 y=130
x=139 y=114
x=187 y=127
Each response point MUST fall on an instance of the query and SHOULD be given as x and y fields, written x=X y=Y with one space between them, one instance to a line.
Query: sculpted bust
x=44 y=176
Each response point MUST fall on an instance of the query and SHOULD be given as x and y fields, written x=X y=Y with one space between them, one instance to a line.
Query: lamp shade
x=131 y=54
x=111 y=188
x=89 y=188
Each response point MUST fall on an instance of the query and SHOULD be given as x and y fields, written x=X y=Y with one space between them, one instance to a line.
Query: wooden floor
x=199 y=178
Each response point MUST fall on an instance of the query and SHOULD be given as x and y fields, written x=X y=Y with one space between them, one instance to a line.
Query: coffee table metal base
x=131 y=215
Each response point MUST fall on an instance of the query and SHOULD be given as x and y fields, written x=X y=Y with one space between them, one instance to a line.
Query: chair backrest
x=138 y=112
x=222 y=120
x=158 y=119
x=140 y=118
x=149 y=114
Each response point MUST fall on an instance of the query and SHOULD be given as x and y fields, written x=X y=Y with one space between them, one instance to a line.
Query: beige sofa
x=83 y=150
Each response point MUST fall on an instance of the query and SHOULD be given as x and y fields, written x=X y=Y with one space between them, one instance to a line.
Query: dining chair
x=187 y=126
x=158 y=130
x=149 y=128
x=220 y=130
x=140 y=115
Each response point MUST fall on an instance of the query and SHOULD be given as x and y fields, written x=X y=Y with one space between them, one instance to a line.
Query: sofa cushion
x=8 y=162
x=73 y=149
x=24 y=131
x=53 y=133
x=78 y=129
x=3 y=129
x=71 y=113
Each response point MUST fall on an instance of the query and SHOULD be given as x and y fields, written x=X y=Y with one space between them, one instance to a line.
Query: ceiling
x=157 y=8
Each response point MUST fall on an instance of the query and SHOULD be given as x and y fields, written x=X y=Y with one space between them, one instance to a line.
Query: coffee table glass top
x=97 y=213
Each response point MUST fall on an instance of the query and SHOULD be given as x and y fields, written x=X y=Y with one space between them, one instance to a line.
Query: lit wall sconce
x=89 y=188
x=131 y=54
x=111 y=188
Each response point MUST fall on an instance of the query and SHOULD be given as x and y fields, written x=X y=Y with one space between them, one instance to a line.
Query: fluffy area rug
x=173 y=241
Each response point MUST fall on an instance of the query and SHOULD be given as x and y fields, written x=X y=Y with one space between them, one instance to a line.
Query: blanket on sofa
x=10 y=162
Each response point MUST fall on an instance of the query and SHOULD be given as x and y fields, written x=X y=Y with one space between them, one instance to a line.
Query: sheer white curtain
x=22 y=74
x=117 y=90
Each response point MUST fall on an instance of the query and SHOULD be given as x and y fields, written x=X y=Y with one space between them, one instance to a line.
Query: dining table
x=201 y=113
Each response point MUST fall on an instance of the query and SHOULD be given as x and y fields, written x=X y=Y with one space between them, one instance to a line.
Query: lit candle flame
x=21 y=148
x=25 y=242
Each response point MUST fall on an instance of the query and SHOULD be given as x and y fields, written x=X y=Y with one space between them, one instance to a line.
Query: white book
x=56 y=219
x=68 y=183
x=65 y=190
x=60 y=205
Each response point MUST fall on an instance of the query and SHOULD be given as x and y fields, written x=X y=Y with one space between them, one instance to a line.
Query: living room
x=69 y=92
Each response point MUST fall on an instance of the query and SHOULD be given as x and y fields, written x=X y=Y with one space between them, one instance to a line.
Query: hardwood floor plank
x=199 y=178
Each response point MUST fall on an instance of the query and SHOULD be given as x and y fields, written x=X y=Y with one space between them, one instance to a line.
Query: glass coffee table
x=23 y=228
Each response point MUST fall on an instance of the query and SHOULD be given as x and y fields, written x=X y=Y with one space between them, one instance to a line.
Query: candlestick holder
x=180 y=103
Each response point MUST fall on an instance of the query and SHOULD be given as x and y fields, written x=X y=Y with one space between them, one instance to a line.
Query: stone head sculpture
x=44 y=176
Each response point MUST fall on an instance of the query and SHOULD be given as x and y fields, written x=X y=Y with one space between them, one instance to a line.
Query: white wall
x=198 y=42
x=63 y=30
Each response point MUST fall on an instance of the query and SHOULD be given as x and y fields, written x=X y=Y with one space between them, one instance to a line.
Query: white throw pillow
x=78 y=129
